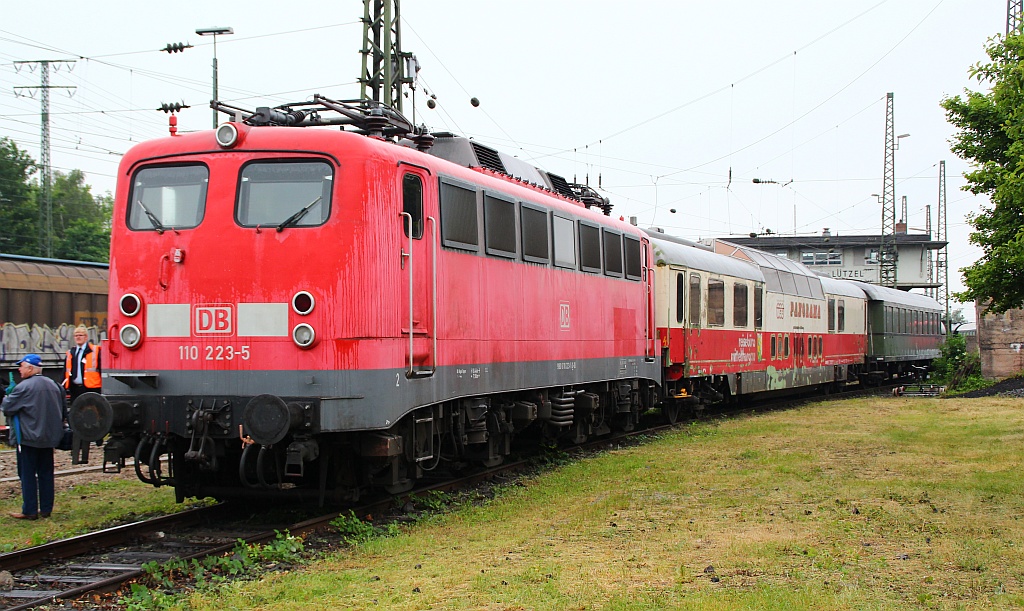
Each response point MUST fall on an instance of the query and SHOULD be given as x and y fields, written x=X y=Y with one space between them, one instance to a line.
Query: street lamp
x=214 y=32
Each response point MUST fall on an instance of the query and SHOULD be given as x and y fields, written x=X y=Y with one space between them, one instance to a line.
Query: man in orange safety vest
x=82 y=365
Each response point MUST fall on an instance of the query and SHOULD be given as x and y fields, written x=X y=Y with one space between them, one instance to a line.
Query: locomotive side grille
x=488 y=158
x=561 y=185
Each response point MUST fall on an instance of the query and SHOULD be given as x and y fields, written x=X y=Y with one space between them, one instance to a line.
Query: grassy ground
x=857 y=504
x=81 y=508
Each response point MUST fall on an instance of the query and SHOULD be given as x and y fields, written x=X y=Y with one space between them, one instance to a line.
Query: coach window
x=680 y=294
x=499 y=226
x=633 y=257
x=716 y=303
x=841 y=315
x=773 y=338
x=412 y=204
x=758 y=306
x=612 y=252
x=810 y=346
x=739 y=305
x=590 y=248
x=168 y=197
x=459 y=224
x=831 y=315
x=534 y=223
x=284 y=193
x=785 y=344
x=563 y=231
x=695 y=300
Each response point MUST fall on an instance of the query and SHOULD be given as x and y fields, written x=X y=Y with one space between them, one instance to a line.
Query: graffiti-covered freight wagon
x=41 y=302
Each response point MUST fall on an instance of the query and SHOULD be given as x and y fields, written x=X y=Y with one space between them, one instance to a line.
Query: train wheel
x=670 y=412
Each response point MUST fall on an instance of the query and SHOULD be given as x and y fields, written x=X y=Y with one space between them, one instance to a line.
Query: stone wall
x=1000 y=342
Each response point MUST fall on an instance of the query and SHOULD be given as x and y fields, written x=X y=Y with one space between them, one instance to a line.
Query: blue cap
x=32 y=359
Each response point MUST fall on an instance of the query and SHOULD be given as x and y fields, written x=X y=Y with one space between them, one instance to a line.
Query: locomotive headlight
x=302 y=303
x=130 y=336
x=130 y=304
x=303 y=335
x=227 y=135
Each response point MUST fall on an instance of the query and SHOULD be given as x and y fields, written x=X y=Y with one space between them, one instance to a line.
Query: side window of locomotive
x=758 y=306
x=459 y=226
x=168 y=197
x=612 y=252
x=831 y=314
x=680 y=295
x=716 y=303
x=695 y=294
x=841 y=315
x=535 y=234
x=284 y=194
x=739 y=305
x=499 y=226
x=563 y=231
x=412 y=204
x=632 y=252
x=590 y=248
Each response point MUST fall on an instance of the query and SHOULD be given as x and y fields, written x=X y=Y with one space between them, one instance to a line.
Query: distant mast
x=385 y=66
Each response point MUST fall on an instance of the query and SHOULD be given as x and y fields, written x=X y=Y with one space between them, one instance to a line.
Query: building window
x=808 y=257
x=870 y=256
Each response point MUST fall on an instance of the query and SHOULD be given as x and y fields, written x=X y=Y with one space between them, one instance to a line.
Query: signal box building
x=855 y=257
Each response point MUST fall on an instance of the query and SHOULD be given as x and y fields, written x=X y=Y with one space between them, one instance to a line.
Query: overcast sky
x=662 y=101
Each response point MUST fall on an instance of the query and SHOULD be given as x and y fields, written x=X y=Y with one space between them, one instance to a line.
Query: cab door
x=419 y=270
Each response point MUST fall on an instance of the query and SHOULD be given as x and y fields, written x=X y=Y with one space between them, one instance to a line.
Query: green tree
x=19 y=214
x=991 y=137
x=81 y=221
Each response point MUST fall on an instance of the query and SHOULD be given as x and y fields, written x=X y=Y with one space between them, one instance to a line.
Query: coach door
x=419 y=269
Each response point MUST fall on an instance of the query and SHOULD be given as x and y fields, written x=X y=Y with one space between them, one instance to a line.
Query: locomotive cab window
x=168 y=197
x=841 y=315
x=499 y=226
x=832 y=315
x=284 y=194
x=412 y=204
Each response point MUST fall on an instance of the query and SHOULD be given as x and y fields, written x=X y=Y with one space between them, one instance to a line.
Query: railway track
x=102 y=561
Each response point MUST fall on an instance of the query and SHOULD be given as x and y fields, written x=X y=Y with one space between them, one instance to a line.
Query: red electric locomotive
x=301 y=311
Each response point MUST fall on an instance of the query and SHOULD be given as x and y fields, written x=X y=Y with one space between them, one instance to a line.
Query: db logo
x=563 y=315
x=213 y=319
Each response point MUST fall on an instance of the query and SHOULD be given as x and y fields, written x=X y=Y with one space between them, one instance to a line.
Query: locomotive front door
x=419 y=269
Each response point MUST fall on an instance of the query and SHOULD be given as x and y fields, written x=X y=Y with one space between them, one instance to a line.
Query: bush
x=957 y=368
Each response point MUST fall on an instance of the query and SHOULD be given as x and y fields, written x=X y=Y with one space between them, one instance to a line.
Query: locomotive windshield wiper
x=295 y=218
x=152 y=218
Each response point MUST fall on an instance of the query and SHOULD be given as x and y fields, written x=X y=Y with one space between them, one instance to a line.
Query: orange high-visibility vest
x=90 y=367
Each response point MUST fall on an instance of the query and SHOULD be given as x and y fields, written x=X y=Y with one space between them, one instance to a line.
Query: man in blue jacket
x=36 y=410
